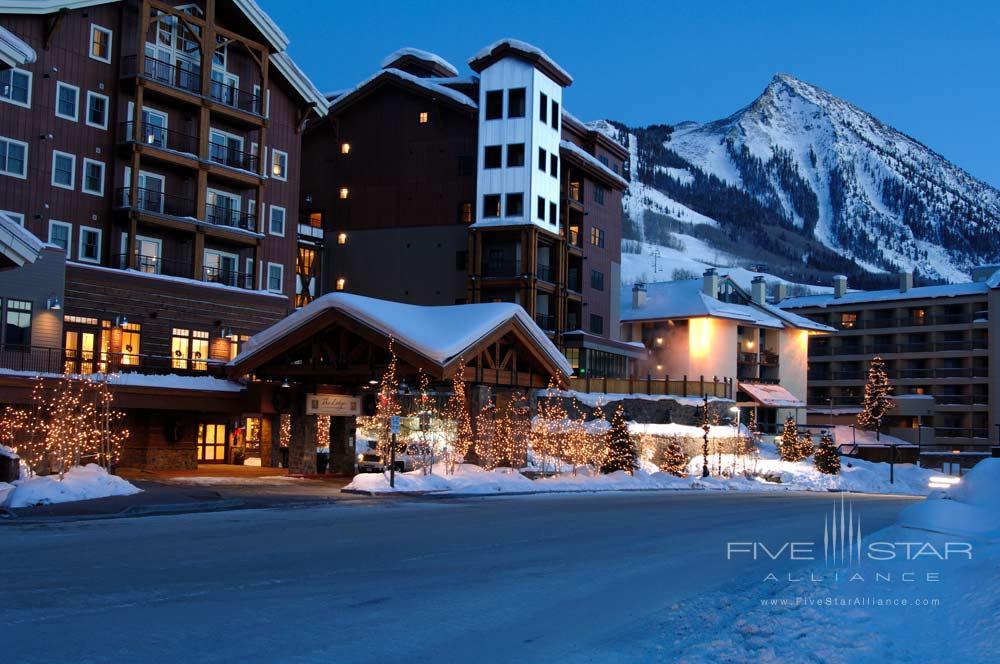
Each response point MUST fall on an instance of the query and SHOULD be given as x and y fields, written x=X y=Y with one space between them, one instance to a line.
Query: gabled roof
x=522 y=50
x=439 y=335
x=342 y=99
x=667 y=300
x=13 y=51
x=275 y=38
x=403 y=54
x=17 y=244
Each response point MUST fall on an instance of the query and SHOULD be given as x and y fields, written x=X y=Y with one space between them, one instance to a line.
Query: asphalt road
x=526 y=579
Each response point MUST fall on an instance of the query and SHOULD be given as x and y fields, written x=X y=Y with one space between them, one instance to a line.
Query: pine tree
x=673 y=460
x=877 y=402
x=622 y=452
x=827 y=459
x=790 y=445
x=457 y=413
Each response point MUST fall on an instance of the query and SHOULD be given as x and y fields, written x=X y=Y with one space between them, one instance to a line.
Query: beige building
x=713 y=328
x=934 y=340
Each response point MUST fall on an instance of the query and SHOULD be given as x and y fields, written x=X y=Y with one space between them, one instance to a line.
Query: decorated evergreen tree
x=460 y=422
x=827 y=459
x=876 y=402
x=673 y=460
x=622 y=451
x=790 y=446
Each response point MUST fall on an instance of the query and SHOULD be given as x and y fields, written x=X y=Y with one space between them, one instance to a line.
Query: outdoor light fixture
x=341 y=283
x=373 y=382
x=285 y=383
x=121 y=321
x=53 y=304
x=342 y=238
x=276 y=169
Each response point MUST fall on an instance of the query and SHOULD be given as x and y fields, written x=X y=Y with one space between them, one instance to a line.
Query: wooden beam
x=52 y=24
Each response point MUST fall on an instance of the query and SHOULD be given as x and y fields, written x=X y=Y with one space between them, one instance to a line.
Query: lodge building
x=441 y=188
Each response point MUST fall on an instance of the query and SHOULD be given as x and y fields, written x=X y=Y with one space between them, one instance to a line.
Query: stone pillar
x=342 y=445
x=302 y=447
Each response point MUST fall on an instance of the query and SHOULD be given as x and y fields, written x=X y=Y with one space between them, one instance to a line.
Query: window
x=596 y=236
x=596 y=324
x=67 y=101
x=89 y=250
x=227 y=149
x=276 y=222
x=597 y=280
x=222 y=208
x=491 y=206
x=543 y=108
x=17 y=323
x=345 y=148
x=554 y=166
x=555 y=115
x=63 y=169
x=97 y=110
x=599 y=194
x=465 y=212
x=515 y=155
x=100 y=43
x=494 y=104
x=16 y=216
x=344 y=192
x=15 y=87
x=342 y=238
x=341 y=283
x=423 y=117
x=493 y=156
x=13 y=157
x=540 y=212
x=60 y=234
x=279 y=164
x=93 y=177
x=553 y=213
x=543 y=159
x=515 y=205
x=515 y=103
x=275 y=277
x=189 y=347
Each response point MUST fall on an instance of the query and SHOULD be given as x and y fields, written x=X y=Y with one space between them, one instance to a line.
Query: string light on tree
x=876 y=402
x=827 y=459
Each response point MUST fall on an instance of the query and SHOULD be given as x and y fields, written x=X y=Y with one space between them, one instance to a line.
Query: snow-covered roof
x=13 y=51
x=889 y=295
x=774 y=396
x=299 y=81
x=419 y=54
x=525 y=50
x=685 y=299
x=593 y=161
x=440 y=333
x=398 y=74
x=17 y=243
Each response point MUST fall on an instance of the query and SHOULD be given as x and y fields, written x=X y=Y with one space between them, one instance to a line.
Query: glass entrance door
x=79 y=352
x=211 y=443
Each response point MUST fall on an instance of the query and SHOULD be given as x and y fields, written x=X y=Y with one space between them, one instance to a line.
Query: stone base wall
x=182 y=456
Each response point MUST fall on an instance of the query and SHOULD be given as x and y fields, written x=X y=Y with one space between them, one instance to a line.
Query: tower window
x=491 y=206
x=494 y=104
x=543 y=108
x=515 y=155
x=515 y=103
x=515 y=205
x=493 y=156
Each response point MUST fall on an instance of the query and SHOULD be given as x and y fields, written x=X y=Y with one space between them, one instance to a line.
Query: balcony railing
x=186 y=77
x=971 y=433
x=573 y=280
x=746 y=358
x=696 y=386
x=217 y=275
x=546 y=273
x=499 y=268
x=219 y=215
x=768 y=358
x=230 y=156
x=157 y=136
x=154 y=265
x=828 y=350
x=41 y=360
x=230 y=95
x=153 y=200
x=546 y=321
x=893 y=322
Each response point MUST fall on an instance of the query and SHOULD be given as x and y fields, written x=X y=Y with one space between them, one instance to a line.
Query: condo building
x=437 y=187
x=935 y=341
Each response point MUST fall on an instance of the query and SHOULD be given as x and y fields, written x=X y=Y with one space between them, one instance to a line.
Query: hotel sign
x=337 y=405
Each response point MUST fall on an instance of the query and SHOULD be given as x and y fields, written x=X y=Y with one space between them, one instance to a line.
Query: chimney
x=781 y=292
x=758 y=290
x=839 y=285
x=905 y=281
x=638 y=295
x=710 y=283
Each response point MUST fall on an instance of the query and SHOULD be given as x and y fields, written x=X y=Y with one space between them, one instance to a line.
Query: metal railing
x=768 y=358
x=501 y=268
x=685 y=387
x=158 y=137
x=830 y=350
x=186 y=78
x=231 y=95
x=546 y=273
x=962 y=432
x=152 y=200
x=43 y=360
x=217 y=275
x=154 y=265
x=230 y=156
x=219 y=215
x=744 y=357
x=895 y=322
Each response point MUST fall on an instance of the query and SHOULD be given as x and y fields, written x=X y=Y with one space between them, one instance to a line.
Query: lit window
x=100 y=43
x=343 y=193
x=345 y=148
x=341 y=283
x=423 y=117
x=189 y=347
x=465 y=213
x=596 y=236
x=342 y=238
x=279 y=164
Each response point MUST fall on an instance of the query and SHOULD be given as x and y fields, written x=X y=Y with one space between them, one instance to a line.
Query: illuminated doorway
x=211 y=443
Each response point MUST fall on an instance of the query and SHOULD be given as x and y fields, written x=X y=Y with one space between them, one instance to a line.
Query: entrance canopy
x=344 y=338
x=771 y=396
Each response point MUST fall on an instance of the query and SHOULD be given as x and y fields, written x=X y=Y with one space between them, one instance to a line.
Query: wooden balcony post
x=197 y=264
x=685 y=385
x=701 y=385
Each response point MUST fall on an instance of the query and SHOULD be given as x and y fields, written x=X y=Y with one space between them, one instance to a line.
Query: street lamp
x=736 y=410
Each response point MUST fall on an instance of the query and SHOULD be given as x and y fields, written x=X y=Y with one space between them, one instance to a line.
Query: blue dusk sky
x=928 y=68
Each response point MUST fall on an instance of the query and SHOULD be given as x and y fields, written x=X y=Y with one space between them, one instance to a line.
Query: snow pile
x=593 y=399
x=419 y=54
x=79 y=483
x=970 y=509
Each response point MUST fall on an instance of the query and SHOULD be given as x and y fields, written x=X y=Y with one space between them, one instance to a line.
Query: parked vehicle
x=369 y=461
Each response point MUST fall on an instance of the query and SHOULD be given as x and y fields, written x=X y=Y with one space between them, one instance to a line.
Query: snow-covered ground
x=934 y=600
x=79 y=483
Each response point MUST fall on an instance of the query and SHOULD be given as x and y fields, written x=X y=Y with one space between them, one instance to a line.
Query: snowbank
x=593 y=399
x=970 y=509
x=80 y=483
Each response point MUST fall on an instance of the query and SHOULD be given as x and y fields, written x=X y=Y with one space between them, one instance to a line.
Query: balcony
x=158 y=137
x=187 y=78
x=963 y=433
x=156 y=202
x=219 y=215
x=232 y=96
x=746 y=358
x=546 y=273
x=226 y=155
x=573 y=280
x=768 y=358
x=41 y=360
x=218 y=275
x=154 y=265
x=501 y=268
